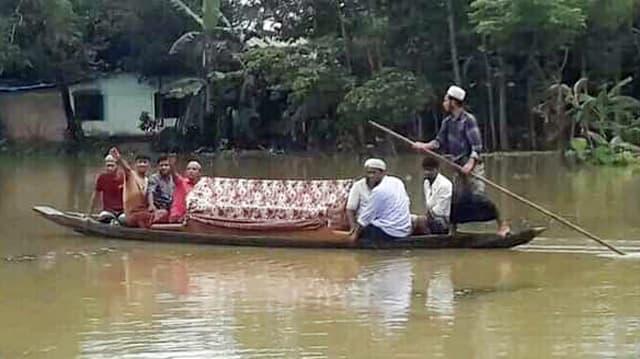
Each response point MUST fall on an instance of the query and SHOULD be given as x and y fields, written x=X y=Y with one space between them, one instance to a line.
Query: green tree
x=391 y=97
x=310 y=78
x=537 y=33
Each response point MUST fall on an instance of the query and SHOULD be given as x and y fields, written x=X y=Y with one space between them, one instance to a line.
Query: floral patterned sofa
x=259 y=204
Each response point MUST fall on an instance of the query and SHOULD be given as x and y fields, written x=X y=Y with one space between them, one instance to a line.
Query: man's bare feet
x=504 y=230
x=453 y=228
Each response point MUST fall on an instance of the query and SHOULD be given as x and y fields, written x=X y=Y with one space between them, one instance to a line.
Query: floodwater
x=66 y=296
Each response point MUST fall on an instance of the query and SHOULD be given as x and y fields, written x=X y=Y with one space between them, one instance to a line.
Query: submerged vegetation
x=308 y=74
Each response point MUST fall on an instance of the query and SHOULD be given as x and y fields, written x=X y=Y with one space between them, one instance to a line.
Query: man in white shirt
x=438 y=191
x=386 y=215
x=361 y=189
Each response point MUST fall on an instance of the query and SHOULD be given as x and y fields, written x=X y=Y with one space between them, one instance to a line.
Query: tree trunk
x=380 y=61
x=204 y=97
x=345 y=38
x=203 y=110
x=74 y=133
x=436 y=122
x=491 y=101
x=502 y=105
x=372 y=62
x=530 y=115
x=160 y=99
x=561 y=118
x=392 y=145
x=583 y=61
x=361 y=135
x=453 y=44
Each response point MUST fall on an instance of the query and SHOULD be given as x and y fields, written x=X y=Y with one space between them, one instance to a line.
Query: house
x=108 y=106
x=32 y=112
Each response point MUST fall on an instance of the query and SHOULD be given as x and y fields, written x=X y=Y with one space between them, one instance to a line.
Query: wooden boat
x=323 y=238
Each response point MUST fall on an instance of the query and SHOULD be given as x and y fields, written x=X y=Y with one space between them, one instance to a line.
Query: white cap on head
x=196 y=163
x=110 y=158
x=456 y=92
x=376 y=163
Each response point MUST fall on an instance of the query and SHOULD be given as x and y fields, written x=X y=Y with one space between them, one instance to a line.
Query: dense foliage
x=310 y=73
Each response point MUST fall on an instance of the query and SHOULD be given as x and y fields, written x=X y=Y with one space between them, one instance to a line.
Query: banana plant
x=609 y=112
x=208 y=23
x=210 y=41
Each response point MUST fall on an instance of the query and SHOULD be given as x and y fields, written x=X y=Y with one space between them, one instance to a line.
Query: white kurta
x=358 y=195
x=388 y=208
x=438 y=196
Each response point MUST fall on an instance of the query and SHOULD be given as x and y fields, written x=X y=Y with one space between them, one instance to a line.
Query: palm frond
x=616 y=89
x=183 y=41
x=184 y=8
x=580 y=85
x=210 y=14
x=618 y=142
x=563 y=89
x=189 y=86
x=626 y=106
x=225 y=20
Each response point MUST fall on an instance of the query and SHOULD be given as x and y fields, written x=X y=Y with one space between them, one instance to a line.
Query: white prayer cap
x=110 y=158
x=195 y=163
x=457 y=93
x=376 y=163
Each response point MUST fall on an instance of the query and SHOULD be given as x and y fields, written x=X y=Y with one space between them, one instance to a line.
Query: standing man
x=386 y=216
x=460 y=138
x=160 y=190
x=361 y=189
x=108 y=188
x=184 y=185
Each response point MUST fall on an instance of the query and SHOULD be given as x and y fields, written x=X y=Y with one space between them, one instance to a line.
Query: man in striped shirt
x=460 y=138
x=160 y=190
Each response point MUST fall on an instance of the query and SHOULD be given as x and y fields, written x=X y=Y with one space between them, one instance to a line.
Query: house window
x=171 y=107
x=88 y=105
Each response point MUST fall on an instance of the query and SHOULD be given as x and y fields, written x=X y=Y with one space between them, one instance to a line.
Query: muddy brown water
x=65 y=296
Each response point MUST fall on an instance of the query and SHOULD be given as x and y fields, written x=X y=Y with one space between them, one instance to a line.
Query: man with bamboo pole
x=459 y=138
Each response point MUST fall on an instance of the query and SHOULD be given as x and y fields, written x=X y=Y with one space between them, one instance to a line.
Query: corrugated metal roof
x=9 y=87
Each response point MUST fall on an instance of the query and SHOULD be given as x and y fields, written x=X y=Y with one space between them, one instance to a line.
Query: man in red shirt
x=184 y=185
x=108 y=189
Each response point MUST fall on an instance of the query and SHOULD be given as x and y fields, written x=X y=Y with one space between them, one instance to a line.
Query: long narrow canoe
x=324 y=238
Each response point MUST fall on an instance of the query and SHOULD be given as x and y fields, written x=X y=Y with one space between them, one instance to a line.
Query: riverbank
x=98 y=147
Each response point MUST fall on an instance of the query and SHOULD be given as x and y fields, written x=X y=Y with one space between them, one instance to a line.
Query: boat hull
x=323 y=238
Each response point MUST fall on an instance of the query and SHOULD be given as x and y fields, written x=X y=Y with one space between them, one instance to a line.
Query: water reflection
x=440 y=294
x=228 y=300
x=384 y=289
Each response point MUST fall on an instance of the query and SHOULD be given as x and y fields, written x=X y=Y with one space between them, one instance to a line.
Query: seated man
x=438 y=191
x=361 y=191
x=134 y=194
x=142 y=169
x=160 y=191
x=108 y=189
x=183 y=185
x=386 y=216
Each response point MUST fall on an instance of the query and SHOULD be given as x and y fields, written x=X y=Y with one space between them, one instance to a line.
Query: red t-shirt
x=184 y=185
x=110 y=185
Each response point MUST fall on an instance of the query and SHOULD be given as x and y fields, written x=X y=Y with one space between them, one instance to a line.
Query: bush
x=391 y=97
